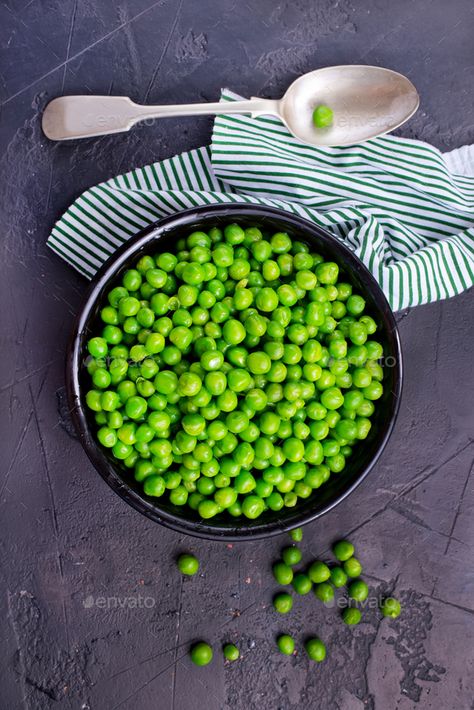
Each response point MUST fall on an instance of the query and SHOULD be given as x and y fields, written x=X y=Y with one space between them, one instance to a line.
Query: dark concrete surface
x=94 y=613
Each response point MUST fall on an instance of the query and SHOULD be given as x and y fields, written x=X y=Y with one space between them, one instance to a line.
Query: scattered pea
x=319 y=572
x=282 y=573
x=201 y=653
x=358 y=590
x=231 y=652
x=324 y=592
x=302 y=583
x=188 y=564
x=351 y=616
x=352 y=567
x=315 y=649
x=291 y=555
x=286 y=644
x=283 y=603
x=391 y=607
x=296 y=534
x=338 y=577
x=343 y=550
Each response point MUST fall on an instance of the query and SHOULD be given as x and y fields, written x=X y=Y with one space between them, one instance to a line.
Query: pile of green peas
x=236 y=374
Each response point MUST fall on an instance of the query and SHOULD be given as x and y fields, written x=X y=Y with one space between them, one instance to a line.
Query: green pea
x=287 y=295
x=144 y=433
x=109 y=315
x=281 y=243
x=154 y=485
x=293 y=449
x=291 y=556
x=231 y=652
x=223 y=255
x=352 y=567
x=253 y=506
x=338 y=348
x=327 y=272
x=282 y=573
x=115 y=420
x=338 y=577
x=296 y=534
x=97 y=347
x=201 y=653
x=193 y=274
x=314 y=452
x=107 y=437
x=129 y=306
x=374 y=349
x=239 y=380
x=109 y=401
x=391 y=607
x=315 y=649
x=302 y=583
x=283 y=603
x=351 y=616
x=355 y=305
x=358 y=333
x=344 y=290
x=166 y=382
x=373 y=390
x=159 y=421
x=101 y=378
x=188 y=564
x=166 y=261
x=208 y=509
x=233 y=332
x=116 y=295
x=286 y=645
x=234 y=234
x=343 y=550
x=358 y=590
x=267 y=299
x=239 y=269
x=255 y=325
x=306 y=279
x=145 y=262
x=259 y=363
x=269 y=423
x=135 y=407
x=225 y=496
x=261 y=250
x=319 y=572
x=207 y=487
x=324 y=592
x=189 y=384
x=275 y=501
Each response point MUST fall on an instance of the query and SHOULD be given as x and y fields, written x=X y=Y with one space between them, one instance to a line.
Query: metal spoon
x=366 y=101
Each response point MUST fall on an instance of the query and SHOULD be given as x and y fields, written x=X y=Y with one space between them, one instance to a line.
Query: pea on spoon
x=366 y=102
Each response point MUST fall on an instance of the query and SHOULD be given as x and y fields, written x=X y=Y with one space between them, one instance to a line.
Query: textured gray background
x=67 y=540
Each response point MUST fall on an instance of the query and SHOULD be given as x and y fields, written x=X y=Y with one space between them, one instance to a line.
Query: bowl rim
x=96 y=455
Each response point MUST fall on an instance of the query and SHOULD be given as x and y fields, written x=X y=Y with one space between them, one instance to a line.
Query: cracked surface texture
x=95 y=614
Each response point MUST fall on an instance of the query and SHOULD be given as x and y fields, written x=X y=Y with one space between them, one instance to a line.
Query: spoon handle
x=70 y=117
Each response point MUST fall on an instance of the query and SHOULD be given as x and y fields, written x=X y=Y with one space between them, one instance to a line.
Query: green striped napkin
x=396 y=202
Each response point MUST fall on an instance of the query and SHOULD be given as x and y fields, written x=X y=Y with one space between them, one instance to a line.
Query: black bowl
x=163 y=235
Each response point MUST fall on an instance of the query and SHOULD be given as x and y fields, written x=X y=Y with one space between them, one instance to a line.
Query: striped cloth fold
x=396 y=202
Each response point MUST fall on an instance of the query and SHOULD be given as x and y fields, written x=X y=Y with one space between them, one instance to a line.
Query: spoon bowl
x=366 y=102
